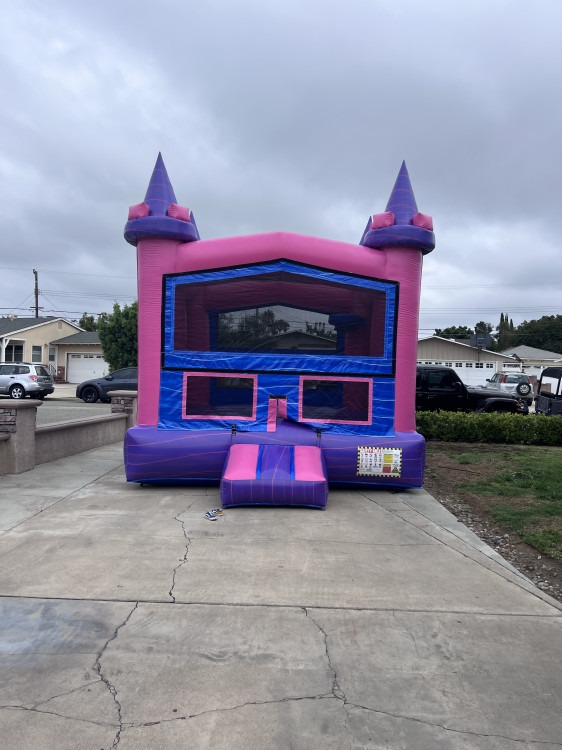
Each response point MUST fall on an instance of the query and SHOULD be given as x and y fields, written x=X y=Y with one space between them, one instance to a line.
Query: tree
x=88 y=322
x=118 y=336
x=454 y=332
x=505 y=332
x=483 y=327
x=545 y=333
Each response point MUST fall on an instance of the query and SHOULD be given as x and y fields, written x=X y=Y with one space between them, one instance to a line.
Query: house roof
x=529 y=352
x=466 y=346
x=82 y=337
x=9 y=326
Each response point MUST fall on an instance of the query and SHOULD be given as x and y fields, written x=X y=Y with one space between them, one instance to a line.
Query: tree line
x=544 y=333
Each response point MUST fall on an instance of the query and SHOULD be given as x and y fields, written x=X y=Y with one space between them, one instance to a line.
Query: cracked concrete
x=130 y=621
x=183 y=560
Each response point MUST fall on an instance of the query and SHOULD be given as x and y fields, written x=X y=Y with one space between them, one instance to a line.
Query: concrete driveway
x=129 y=620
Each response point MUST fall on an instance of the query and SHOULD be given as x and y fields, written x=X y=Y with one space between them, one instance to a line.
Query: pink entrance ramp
x=274 y=475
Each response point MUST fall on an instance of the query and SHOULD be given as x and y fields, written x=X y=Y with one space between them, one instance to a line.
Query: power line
x=67 y=273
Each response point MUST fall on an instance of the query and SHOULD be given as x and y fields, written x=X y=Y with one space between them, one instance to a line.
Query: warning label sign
x=379 y=462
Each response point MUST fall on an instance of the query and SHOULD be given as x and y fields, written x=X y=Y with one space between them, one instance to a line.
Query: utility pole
x=36 y=293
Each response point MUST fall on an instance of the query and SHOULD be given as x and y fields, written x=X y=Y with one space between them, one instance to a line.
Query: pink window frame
x=340 y=380
x=222 y=417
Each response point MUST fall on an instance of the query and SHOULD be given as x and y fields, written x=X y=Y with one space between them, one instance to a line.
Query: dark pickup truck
x=439 y=387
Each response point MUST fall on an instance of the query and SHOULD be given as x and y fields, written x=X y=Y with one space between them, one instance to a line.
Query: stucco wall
x=448 y=350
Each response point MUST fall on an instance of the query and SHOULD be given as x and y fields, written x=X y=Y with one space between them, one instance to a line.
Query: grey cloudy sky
x=289 y=115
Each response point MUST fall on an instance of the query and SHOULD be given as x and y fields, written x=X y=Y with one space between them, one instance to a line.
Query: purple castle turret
x=160 y=216
x=401 y=225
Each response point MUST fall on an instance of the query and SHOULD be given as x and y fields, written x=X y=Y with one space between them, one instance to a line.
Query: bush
x=534 y=429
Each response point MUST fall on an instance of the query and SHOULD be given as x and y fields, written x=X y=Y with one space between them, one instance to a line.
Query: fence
x=23 y=445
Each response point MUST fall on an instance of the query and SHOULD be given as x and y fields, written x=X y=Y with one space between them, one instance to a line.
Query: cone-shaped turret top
x=160 y=193
x=159 y=216
x=401 y=225
x=402 y=202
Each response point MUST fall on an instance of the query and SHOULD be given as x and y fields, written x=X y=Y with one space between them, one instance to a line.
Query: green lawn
x=526 y=487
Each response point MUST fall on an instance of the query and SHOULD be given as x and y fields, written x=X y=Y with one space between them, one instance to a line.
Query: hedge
x=533 y=429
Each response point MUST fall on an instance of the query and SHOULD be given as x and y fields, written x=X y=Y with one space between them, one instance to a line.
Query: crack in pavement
x=68 y=692
x=187 y=717
x=112 y=689
x=467 y=732
x=60 y=716
x=339 y=694
x=183 y=560
x=337 y=691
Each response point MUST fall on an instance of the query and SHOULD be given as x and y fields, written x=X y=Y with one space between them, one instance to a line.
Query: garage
x=82 y=367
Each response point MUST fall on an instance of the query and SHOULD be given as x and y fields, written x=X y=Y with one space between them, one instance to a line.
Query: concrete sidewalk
x=131 y=621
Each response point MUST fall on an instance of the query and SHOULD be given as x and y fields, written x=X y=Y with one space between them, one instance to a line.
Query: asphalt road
x=65 y=409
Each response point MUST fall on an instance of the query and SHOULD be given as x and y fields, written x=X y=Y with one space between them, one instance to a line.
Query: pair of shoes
x=212 y=514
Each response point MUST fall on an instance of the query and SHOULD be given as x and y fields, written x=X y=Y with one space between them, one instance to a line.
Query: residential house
x=474 y=365
x=72 y=354
x=533 y=360
x=80 y=357
x=29 y=339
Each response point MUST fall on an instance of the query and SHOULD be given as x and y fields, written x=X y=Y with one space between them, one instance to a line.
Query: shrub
x=534 y=429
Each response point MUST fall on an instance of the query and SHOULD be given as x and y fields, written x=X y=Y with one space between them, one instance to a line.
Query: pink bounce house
x=277 y=364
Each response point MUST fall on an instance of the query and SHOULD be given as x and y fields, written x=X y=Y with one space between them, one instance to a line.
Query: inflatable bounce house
x=276 y=364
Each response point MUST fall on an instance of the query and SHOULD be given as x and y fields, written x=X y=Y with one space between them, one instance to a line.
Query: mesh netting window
x=333 y=400
x=219 y=396
x=280 y=313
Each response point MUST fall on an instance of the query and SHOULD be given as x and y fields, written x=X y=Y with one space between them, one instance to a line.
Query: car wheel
x=523 y=389
x=90 y=394
x=17 y=391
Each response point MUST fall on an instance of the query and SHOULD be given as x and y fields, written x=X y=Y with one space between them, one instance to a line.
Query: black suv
x=439 y=387
x=126 y=379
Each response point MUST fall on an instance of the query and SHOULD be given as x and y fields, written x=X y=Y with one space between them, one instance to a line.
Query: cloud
x=292 y=116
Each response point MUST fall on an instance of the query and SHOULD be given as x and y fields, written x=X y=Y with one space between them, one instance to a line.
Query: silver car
x=516 y=383
x=21 y=379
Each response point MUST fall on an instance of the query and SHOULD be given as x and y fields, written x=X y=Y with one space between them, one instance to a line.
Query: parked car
x=126 y=379
x=21 y=379
x=439 y=387
x=549 y=397
x=513 y=382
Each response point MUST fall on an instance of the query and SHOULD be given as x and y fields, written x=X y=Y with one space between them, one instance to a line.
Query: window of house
x=14 y=353
x=458 y=364
x=489 y=365
x=36 y=353
x=468 y=364
x=479 y=364
x=448 y=364
x=51 y=354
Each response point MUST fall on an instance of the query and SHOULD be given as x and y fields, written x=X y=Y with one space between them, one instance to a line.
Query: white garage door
x=86 y=366
x=468 y=372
